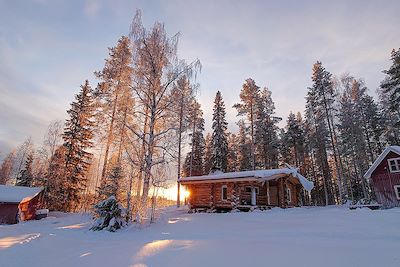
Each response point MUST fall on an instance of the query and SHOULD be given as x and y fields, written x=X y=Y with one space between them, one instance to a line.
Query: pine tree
x=208 y=154
x=114 y=97
x=233 y=150
x=248 y=106
x=244 y=147
x=391 y=85
x=266 y=131
x=294 y=140
x=25 y=177
x=219 y=135
x=194 y=162
x=77 y=137
x=317 y=136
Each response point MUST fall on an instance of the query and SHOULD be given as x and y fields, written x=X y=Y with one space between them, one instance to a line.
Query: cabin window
x=394 y=165
x=224 y=192
x=397 y=191
x=289 y=195
x=249 y=188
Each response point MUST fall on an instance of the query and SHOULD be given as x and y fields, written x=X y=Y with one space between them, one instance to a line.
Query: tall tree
x=266 y=131
x=219 y=135
x=184 y=92
x=113 y=95
x=194 y=164
x=244 y=147
x=156 y=68
x=233 y=150
x=391 y=84
x=248 y=107
x=77 y=137
x=208 y=154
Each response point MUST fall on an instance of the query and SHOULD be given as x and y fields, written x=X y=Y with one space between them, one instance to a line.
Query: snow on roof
x=17 y=194
x=395 y=149
x=262 y=175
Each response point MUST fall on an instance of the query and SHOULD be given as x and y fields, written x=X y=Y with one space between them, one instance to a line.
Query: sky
x=48 y=48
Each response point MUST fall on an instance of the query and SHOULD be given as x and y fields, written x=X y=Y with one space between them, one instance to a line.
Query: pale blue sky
x=48 y=48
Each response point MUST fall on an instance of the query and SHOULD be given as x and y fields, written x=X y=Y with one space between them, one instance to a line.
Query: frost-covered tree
x=55 y=187
x=249 y=95
x=6 y=168
x=77 y=137
x=109 y=215
x=25 y=177
x=21 y=154
x=156 y=69
x=391 y=85
x=219 y=135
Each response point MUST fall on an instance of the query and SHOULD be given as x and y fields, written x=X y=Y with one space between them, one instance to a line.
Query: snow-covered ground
x=329 y=236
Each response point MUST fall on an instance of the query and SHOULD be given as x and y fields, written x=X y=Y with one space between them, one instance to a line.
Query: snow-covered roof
x=17 y=194
x=395 y=149
x=261 y=175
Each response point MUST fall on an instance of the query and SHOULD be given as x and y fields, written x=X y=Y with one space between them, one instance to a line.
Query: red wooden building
x=384 y=175
x=19 y=201
x=246 y=189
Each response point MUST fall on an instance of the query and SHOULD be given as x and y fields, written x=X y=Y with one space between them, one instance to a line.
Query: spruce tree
x=25 y=177
x=112 y=184
x=391 y=85
x=77 y=137
x=219 y=136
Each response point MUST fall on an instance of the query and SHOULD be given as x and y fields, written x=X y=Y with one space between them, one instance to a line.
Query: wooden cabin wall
x=209 y=195
x=200 y=195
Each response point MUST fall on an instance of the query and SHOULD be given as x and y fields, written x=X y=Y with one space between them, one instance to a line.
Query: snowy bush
x=109 y=215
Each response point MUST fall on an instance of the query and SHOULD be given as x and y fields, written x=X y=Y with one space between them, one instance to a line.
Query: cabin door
x=253 y=196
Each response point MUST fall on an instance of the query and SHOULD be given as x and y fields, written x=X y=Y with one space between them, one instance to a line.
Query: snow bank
x=312 y=236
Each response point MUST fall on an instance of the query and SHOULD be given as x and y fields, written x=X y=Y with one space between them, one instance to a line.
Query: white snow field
x=331 y=236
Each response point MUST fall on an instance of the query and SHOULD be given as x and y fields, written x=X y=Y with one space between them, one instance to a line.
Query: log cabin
x=384 y=175
x=246 y=189
x=19 y=203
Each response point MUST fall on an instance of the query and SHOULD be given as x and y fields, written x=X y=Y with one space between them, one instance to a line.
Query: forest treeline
x=126 y=135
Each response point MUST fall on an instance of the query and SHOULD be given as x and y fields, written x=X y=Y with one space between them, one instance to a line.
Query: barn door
x=253 y=196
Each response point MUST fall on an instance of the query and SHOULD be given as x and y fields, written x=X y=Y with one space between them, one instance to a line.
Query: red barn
x=245 y=190
x=384 y=175
x=19 y=200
